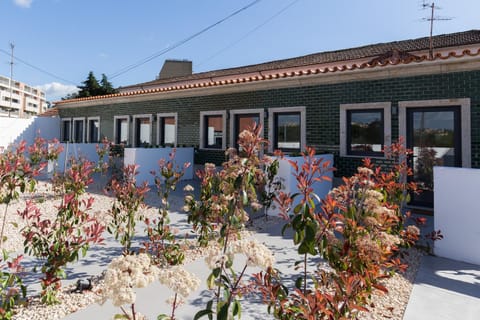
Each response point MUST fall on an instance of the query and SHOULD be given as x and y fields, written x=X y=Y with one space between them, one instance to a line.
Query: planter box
x=147 y=159
x=289 y=182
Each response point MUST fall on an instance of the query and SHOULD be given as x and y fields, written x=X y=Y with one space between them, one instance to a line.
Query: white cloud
x=55 y=91
x=23 y=3
x=103 y=55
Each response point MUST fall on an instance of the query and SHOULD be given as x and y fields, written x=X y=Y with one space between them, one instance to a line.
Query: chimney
x=175 y=68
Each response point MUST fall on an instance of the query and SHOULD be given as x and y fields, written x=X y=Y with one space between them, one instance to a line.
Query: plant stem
x=133 y=311
x=236 y=284
x=3 y=225
x=305 y=274
x=172 y=317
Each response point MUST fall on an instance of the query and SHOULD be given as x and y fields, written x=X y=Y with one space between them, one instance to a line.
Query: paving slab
x=445 y=289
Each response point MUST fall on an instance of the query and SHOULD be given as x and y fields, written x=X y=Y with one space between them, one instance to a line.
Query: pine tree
x=106 y=86
x=90 y=87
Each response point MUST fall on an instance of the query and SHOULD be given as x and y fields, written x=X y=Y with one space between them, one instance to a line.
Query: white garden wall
x=289 y=182
x=457 y=213
x=147 y=159
x=13 y=130
x=85 y=151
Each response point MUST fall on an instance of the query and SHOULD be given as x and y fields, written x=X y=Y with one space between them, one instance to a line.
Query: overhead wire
x=38 y=68
x=176 y=45
x=248 y=33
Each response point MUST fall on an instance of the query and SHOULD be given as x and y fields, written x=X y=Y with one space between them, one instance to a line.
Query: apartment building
x=26 y=101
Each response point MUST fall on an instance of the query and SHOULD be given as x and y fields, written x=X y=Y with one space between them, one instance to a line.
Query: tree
x=91 y=87
x=106 y=86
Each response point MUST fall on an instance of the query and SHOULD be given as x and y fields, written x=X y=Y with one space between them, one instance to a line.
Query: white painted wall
x=289 y=182
x=76 y=150
x=147 y=159
x=457 y=213
x=13 y=130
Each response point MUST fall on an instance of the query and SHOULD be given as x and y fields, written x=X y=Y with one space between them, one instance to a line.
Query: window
x=212 y=129
x=365 y=128
x=121 y=130
x=65 y=130
x=93 y=130
x=78 y=130
x=142 y=130
x=241 y=120
x=465 y=122
x=167 y=129
x=287 y=129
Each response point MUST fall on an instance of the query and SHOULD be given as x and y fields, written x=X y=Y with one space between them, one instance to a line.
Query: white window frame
x=203 y=114
x=271 y=122
x=115 y=129
x=465 y=129
x=141 y=116
x=88 y=129
x=387 y=124
x=234 y=113
x=62 y=131
x=159 y=129
x=74 y=133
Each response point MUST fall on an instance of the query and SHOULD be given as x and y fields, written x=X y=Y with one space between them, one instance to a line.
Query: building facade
x=350 y=103
x=18 y=99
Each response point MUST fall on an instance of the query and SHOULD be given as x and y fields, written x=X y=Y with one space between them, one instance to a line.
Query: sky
x=57 y=42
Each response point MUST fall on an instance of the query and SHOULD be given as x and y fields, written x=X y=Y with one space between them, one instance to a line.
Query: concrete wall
x=76 y=150
x=14 y=130
x=147 y=159
x=289 y=182
x=457 y=215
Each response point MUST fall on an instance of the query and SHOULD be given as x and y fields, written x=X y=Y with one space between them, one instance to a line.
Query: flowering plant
x=123 y=275
x=161 y=244
x=358 y=229
x=129 y=199
x=224 y=197
x=181 y=282
x=60 y=240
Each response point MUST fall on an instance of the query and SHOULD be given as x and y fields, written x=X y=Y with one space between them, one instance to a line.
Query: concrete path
x=445 y=290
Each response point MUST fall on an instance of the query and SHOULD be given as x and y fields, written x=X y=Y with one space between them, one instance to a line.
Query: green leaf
x=298 y=283
x=223 y=312
x=203 y=313
x=236 y=308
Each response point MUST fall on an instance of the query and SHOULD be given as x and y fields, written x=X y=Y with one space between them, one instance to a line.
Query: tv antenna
x=432 y=18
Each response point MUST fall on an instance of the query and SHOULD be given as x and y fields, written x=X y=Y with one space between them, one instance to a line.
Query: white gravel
x=383 y=306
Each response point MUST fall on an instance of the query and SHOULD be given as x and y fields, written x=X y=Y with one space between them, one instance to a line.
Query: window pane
x=288 y=134
x=94 y=130
x=143 y=131
x=168 y=130
x=78 y=130
x=244 y=122
x=366 y=131
x=122 y=131
x=214 y=131
x=66 y=131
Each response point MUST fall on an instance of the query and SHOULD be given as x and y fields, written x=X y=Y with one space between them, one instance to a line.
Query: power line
x=176 y=45
x=248 y=33
x=39 y=69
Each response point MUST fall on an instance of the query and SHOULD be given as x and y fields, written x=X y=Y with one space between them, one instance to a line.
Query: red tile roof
x=52 y=112
x=378 y=55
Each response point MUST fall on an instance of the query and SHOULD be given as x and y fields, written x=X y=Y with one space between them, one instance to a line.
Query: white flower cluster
x=179 y=280
x=258 y=255
x=126 y=273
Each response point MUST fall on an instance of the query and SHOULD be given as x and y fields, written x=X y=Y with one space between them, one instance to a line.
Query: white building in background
x=26 y=100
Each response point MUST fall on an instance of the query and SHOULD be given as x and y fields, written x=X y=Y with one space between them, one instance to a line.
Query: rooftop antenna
x=12 y=46
x=432 y=18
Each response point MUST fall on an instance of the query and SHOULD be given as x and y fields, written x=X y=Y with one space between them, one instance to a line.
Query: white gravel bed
x=383 y=306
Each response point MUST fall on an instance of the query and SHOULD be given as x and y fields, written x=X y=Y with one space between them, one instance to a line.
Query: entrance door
x=434 y=135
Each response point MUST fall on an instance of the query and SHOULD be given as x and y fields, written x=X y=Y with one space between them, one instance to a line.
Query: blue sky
x=69 y=38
